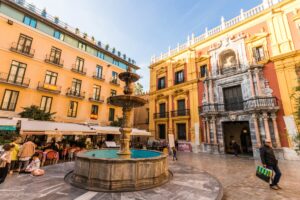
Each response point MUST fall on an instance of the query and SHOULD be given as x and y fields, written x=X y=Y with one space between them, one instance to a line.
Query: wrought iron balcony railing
x=161 y=115
x=49 y=88
x=180 y=113
x=22 y=49
x=54 y=61
x=257 y=103
x=115 y=81
x=14 y=79
x=75 y=93
x=97 y=99
x=76 y=69
x=98 y=76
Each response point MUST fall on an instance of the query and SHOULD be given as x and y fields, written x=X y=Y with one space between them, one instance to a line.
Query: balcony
x=45 y=87
x=161 y=115
x=255 y=104
x=96 y=99
x=14 y=80
x=22 y=49
x=180 y=113
x=54 y=61
x=114 y=81
x=75 y=94
x=98 y=77
x=93 y=116
x=77 y=70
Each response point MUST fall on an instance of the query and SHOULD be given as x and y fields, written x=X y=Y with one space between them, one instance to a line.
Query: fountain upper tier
x=126 y=101
x=129 y=77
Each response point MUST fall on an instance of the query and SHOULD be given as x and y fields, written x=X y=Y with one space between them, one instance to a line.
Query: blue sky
x=142 y=28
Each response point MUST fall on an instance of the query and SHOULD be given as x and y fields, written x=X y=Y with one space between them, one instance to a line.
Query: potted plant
x=93 y=38
x=44 y=13
x=114 y=50
x=124 y=56
x=84 y=35
x=99 y=43
x=77 y=30
x=56 y=20
x=107 y=47
x=119 y=53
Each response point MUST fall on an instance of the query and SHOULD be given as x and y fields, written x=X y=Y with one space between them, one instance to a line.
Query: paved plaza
x=190 y=181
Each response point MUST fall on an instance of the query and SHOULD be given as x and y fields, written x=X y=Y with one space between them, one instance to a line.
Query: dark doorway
x=240 y=133
x=162 y=131
x=181 y=131
x=233 y=98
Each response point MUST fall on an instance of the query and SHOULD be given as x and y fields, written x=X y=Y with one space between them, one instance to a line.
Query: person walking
x=14 y=155
x=25 y=153
x=269 y=161
x=235 y=147
x=5 y=160
x=174 y=151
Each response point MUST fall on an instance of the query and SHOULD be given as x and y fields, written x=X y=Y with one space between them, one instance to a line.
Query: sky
x=143 y=28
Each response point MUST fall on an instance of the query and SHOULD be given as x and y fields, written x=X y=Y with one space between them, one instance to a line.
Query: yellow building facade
x=255 y=55
x=46 y=63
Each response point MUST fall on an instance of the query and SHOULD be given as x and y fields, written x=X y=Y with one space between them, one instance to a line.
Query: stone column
x=204 y=130
x=125 y=133
x=277 y=138
x=211 y=94
x=207 y=130
x=266 y=122
x=258 y=82
x=257 y=133
x=214 y=130
x=251 y=84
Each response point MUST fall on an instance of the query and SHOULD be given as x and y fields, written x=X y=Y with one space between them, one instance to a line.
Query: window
x=17 y=72
x=82 y=46
x=116 y=62
x=55 y=55
x=113 y=92
x=258 y=53
x=114 y=77
x=94 y=110
x=9 y=100
x=46 y=103
x=99 y=71
x=51 y=78
x=58 y=35
x=79 y=64
x=179 y=77
x=96 y=92
x=30 y=21
x=161 y=83
x=24 y=44
x=72 y=112
x=162 y=110
x=111 y=116
x=203 y=71
x=76 y=87
x=233 y=98
x=100 y=55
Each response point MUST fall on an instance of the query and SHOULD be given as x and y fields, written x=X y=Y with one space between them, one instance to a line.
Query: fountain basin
x=103 y=170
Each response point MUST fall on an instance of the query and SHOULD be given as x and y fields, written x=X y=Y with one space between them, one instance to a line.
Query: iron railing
x=54 y=61
x=98 y=77
x=95 y=98
x=257 y=103
x=180 y=113
x=76 y=69
x=22 y=49
x=75 y=93
x=14 y=79
x=49 y=87
x=161 y=115
x=115 y=81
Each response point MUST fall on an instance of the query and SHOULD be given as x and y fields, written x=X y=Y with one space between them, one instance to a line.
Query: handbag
x=263 y=173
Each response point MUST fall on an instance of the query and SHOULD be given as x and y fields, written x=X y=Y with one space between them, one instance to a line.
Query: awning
x=115 y=131
x=32 y=127
x=8 y=124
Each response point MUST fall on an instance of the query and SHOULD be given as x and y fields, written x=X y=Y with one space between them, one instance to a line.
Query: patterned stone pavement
x=187 y=183
x=237 y=176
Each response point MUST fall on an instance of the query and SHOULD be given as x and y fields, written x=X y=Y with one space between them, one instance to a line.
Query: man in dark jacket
x=269 y=161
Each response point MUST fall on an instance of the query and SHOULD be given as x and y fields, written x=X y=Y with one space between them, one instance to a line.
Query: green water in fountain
x=113 y=154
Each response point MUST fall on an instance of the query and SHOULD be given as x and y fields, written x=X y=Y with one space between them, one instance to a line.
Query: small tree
x=117 y=123
x=296 y=96
x=138 y=89
x=34 y=112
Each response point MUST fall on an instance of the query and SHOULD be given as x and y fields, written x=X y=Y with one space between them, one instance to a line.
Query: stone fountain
x=110 y=170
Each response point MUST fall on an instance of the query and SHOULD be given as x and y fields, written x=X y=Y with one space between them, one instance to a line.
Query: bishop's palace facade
x=234 y=82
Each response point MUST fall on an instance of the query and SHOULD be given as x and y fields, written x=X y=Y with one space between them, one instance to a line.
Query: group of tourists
x=19 y=158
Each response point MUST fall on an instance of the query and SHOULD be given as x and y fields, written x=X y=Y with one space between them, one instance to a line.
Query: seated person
x=34 y=166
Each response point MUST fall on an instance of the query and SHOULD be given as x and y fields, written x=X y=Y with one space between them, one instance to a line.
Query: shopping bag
x=263 y=173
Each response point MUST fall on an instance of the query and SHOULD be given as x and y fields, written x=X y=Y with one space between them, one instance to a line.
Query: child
x=34 y=166
x=174 y=153
x=5 y=160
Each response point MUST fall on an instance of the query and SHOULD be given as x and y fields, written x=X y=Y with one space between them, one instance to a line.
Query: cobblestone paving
x=237 y=176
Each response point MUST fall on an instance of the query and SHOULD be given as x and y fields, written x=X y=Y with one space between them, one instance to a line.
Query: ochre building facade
x=232 y=83
x=46 y=63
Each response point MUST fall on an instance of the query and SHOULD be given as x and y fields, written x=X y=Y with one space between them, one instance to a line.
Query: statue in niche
x=267 y=89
